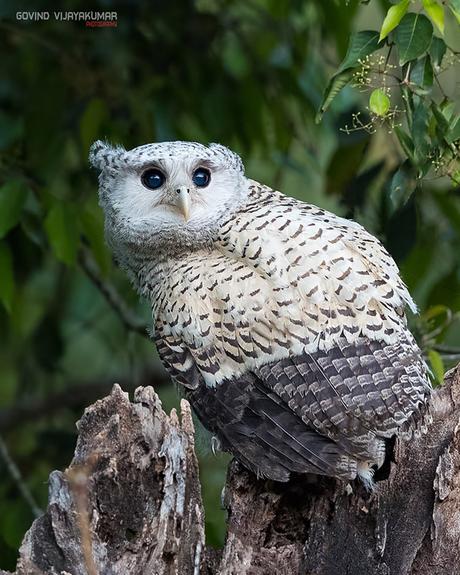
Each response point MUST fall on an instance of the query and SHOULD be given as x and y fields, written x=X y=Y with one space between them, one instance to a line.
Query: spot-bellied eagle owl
x=284 y=323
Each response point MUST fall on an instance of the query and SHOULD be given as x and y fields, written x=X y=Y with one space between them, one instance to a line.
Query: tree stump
x=130 y=503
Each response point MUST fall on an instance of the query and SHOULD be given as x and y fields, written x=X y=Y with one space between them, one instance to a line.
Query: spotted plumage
x=285 y=323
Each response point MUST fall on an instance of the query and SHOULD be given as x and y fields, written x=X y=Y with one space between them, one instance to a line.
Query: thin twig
x=447 y=349
x=18 y=479
x=113 y=298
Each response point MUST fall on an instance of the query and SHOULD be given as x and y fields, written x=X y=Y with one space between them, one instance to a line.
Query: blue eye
x=201 y=177
x=153 y=178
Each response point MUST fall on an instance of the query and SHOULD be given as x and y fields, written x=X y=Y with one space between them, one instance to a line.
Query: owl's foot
x=215 y=445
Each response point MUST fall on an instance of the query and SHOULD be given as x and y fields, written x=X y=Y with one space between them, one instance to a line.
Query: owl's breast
x=218 y=312
x=276 y=284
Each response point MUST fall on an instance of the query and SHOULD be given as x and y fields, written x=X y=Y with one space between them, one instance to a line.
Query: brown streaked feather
x=291 y=338
x=317 y=413
x=264 y=434
x=356 y=394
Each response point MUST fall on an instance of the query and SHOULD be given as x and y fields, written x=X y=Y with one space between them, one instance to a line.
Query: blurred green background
x=246 y=73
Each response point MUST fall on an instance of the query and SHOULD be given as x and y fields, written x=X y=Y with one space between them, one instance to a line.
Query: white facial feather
x=139 y=216
x=133 y=200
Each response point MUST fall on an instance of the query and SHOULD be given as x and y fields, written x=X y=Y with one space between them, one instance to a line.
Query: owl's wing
x=253 y=422
x=317 y=412
x=355 y=393
x=264 y=434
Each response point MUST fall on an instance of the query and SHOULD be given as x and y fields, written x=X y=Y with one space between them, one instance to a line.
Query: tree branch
x=16 y=475
x=113 y=298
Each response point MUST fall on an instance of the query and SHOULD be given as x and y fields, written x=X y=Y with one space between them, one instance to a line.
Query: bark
x=130 y=503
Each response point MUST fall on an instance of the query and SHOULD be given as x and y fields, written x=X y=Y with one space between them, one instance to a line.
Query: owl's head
x=167 y=196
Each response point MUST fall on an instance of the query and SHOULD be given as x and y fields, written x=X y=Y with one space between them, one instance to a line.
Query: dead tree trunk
x=130 y=503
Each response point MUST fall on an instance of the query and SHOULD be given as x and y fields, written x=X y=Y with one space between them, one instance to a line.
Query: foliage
x=251 y=74
x=427 y=125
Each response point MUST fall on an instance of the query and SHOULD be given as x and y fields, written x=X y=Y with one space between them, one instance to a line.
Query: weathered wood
x=130 y=503
x=409 y=525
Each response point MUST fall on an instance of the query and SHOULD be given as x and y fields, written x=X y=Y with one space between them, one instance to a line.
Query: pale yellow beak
x=183 y=202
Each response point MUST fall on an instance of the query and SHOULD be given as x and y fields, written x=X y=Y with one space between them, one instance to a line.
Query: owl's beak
x=183 y=201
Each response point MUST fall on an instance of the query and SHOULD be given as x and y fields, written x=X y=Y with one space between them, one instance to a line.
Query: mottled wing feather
x=356 y=394
x=264 y=433
x=316 y=413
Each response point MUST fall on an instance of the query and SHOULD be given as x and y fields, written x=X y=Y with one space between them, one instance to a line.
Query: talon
x=215 y=445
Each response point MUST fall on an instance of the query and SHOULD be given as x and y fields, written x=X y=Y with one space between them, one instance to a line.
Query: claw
x=215 y=445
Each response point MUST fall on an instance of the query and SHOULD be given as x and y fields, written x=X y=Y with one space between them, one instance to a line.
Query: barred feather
x=291 y=338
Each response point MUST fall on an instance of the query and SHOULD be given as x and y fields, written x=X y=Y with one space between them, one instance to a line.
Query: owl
x=284 y=323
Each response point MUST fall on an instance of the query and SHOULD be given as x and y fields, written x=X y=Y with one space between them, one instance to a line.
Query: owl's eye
x=201 y=177
x=153 y=178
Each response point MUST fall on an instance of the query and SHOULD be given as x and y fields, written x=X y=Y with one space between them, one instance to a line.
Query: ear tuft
x=102 y=153
x=96 y=154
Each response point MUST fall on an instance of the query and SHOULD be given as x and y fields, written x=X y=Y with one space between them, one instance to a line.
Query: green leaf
x=454 y=5
x=447 y=108
x=361 y=44
x=6 y=276
x=441 y=120
x=393 y=18
x=63 y=233
x=454 y=131
x=420 y=122
x=405 y=141
x=422 y=73
x=336 y=84
x=408 y=100
x=413 y=37
x=436 y=13
x=402 y=185
x=437 y=366
x=12 y=199
x=379 y=102
x=437 y=50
